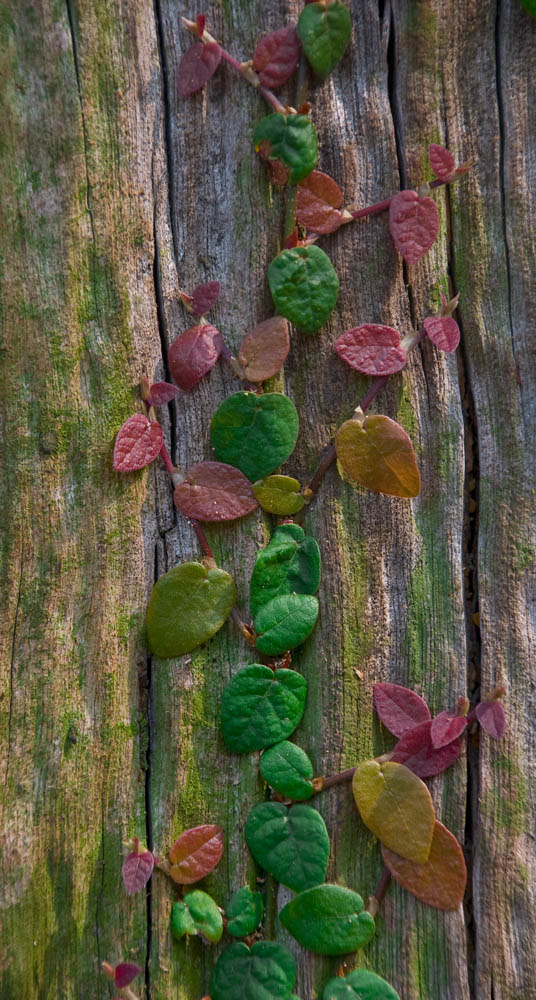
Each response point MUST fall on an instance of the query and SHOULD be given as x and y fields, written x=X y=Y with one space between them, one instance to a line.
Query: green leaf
x=285 y=623
x=279 y=495
x=288 y=770
x=260 y=707
x=292 y=140
x=254 y=433
x=244 y=912
x=304 y=286
x=290 y=844
x=359 y=985
x=530 y=6
x=267 y=971
x=396 y=805
x=290 y=564
x=197 y=913
x=324 y=32
x=328 y=919
x=188 y=605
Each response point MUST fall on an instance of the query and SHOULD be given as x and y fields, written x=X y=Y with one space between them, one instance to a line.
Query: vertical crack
x=12 y=664
x=148 y=706
x=502 y=193
x=161 y=320
x=167 y=123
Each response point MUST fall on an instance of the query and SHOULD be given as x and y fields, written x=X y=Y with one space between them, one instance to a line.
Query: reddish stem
x=382 y=206
x=167 y=461
x=336 y=779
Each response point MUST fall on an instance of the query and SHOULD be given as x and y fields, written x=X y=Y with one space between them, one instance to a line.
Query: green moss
x=511 y=805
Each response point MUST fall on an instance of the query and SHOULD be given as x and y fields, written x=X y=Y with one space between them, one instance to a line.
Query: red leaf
x=138 y=442
x=125 y=972
x=292 y=240
x=276 y=57
x=415 y=750
x=205 y=296
x=490 y=715
x=442 y=162
x=196 y=853
x=399 y=708
x=318 y=199
x=214 y=491
x=193 y=354
x=264 y=349
x=372 y=349
x=445 y=728
x=200 y=22
x=443 y=331
x=137 y=870
x=161 y=393
x=196 y=67
x=413 y=224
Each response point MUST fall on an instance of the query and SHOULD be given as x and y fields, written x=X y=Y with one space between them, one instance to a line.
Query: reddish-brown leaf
x=263 y=351
x=200 y=22
x=318 y=201
x=490 y=715
x=442 y=162
x=161 y=393
x=124 y=973
x=445 y=728
x=137 y=870
x=194 y=353
x=214 y=491
x=196 y=67
x=372 y=349
x=196 y=853
x=399 y=708
x=416 y=751
x=377 y=453
x=443 y=331
x=205 y=296
x=441 y=880
x=138 y=442
x=276 y=57
x=413 y=224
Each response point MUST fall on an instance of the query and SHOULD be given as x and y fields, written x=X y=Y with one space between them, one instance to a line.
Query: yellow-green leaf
x=396 y=805
x=377 y=453
x=279 y=494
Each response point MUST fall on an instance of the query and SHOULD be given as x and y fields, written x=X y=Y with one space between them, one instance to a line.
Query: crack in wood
x=12 y=664
x=502 y=146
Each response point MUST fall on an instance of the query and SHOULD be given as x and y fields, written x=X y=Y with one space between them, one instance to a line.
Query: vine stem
x=382 y=206
x=374 y=902
x=320 y=784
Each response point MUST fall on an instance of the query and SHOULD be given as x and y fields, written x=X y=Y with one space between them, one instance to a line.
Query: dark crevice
x=12 y=665
x=167 y=123
x=147 y=702
x=160 y=316
x=381 y=9
x=501 y=120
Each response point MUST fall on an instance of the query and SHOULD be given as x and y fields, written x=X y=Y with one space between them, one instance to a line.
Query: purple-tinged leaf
x=276 y=57
x=445 y=728
x=443 y=331
x=413 y=224
x=442 y=162
x=137 y=444
x=137 y=870
x=196 y=67
x=214 y=491
x=193 y=354
x=264 y=349
x=196 y=853
x=205 y=296
x=372 y=349
x=318 y=201
x=125 y=972
x=416 y=751
x=490 y=715
x=399 y=708
x=161 y=393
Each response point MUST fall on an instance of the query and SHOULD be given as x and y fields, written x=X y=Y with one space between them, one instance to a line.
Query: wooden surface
x=113 y=195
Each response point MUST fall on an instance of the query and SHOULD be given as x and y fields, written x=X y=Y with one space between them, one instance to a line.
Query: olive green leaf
x=244 y=912
x=291 y=140
x=188 y=605
x=304 y=286
x=279 y=495
x=397 y=806
x=324 y=31
x=266 y=971
x=260 y=707
x=359 y=985
x=254 y=433
x=290 y=564
x=285 y=623
x=288 y=770
x=377 y=453
x=290 y=844
x=197 y=913
x=328 y=919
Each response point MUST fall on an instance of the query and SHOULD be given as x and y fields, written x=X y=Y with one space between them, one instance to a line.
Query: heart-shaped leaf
x=416 y=751
x=324 y=31
x=285 y=623
x=445 y=728
x=328 y=919
x=196 y=67
x=372 y=349
x=413 y=224
x=490 y=715
x=288 y=770
x=359 y=985
x=318 y=201
x=205 y=296
x=254 y=433
x=263 y=351
x=443 y=331
x=276 y=57
x=137 y=870
x=290 y=564
x=441 y=880
x=244 y=912
x=196 y=853
x=398 y=708
x=260 y=707
x=304 y=286
x=290 y=844
x=396 y=805
x=267 y=971
x=161 y=393
x=279 y=495
x=214 y=491
x=188 y=605
x=138 y=442
x=289 y=141
x=124 y=973
x=196 y=913
x=442 y=162
x=193 y=354
x=377 y=453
